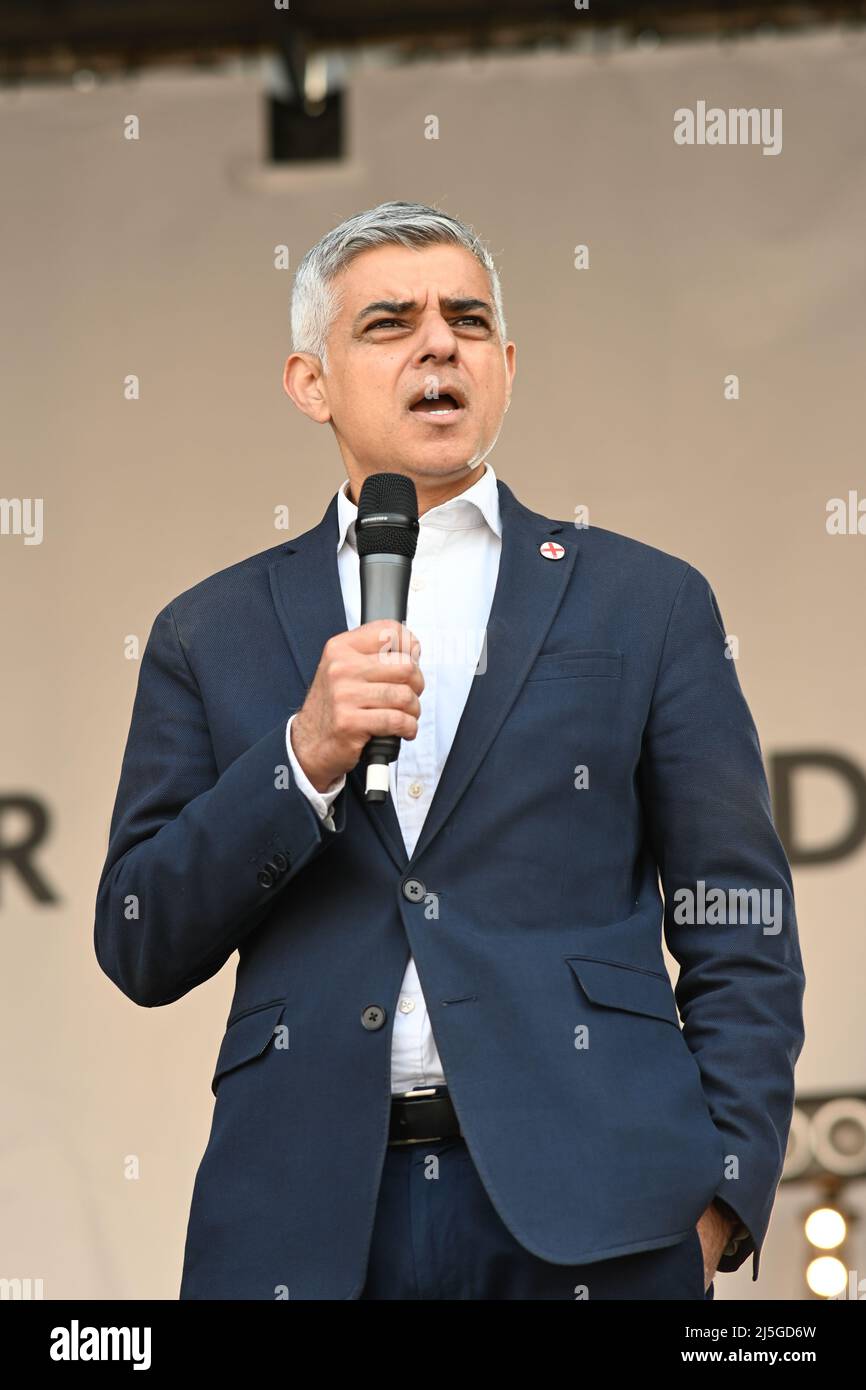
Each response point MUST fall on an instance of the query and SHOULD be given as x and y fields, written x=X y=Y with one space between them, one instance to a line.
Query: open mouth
x=445 y=407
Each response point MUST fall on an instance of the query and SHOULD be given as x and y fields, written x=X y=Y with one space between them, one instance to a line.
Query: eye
x=389 y=323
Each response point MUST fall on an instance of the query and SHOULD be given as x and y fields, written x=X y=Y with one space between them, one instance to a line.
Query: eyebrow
x=407 y=306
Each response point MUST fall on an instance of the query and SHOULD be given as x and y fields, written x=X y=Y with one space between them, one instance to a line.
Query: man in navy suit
x=454 y=1065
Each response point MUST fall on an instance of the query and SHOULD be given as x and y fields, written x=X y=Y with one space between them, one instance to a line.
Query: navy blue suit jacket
x=600 y=1125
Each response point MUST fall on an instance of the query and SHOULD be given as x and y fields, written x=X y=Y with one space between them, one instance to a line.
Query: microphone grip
x=384 y=594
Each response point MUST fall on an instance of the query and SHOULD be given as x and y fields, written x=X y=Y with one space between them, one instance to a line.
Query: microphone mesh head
x=388 y=492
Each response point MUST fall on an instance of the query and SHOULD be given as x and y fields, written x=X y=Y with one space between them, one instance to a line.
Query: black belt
x=423 y=1114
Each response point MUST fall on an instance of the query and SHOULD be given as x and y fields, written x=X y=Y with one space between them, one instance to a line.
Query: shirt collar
x=477 y=505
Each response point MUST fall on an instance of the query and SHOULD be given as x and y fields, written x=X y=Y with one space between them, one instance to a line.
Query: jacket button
x=266 y=878
x=414 y=890
x=273 y=868
x=281 y=862
x=373 y=1017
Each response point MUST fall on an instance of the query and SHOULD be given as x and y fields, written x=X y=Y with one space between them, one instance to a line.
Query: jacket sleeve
x=195 y=859
x=741 y=981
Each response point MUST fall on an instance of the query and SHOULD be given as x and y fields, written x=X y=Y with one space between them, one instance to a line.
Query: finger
x=385 y=635
x=382 y=695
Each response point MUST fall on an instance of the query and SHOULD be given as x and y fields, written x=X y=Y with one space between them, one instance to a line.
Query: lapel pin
x=551 y=551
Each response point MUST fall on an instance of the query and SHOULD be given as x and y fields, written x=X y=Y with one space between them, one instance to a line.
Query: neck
x=432 y=492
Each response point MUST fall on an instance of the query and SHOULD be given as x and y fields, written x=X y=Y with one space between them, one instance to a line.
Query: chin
x=450 y=458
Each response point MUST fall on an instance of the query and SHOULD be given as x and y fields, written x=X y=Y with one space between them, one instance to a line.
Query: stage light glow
x=826 y=1276
x=826 y=1228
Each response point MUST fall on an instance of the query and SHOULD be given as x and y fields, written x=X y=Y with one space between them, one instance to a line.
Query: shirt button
x=417 y=581
x=406 y=1006
x=416 y=788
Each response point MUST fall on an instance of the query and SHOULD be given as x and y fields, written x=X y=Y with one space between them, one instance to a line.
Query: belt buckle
x=415 y=1095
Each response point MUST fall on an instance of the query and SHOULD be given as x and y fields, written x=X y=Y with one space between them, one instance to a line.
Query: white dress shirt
x=454 y=575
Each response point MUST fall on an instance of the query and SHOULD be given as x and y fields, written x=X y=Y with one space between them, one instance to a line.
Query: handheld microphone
x=386 y=534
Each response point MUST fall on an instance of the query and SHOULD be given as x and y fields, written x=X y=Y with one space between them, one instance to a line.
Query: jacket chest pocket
x=249 y=1036
x=625 y=987
x=553 y=665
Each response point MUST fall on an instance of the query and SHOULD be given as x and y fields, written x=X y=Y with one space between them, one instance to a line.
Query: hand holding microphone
x=360 y=691
x=365 y=691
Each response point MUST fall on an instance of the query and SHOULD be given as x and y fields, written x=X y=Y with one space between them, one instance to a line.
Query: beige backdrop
x=155 y=257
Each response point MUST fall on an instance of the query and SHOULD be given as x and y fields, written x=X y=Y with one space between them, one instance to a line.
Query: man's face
x=412 y=324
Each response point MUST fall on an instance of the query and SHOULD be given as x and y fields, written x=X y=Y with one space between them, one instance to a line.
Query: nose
x=438 y=342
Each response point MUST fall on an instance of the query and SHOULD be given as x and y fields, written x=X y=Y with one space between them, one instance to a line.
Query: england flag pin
x=551 y=551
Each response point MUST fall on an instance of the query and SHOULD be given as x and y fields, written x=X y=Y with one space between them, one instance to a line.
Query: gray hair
x=315 y=299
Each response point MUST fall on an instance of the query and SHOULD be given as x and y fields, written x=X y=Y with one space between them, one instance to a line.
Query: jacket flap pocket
x=246 y=1038
x=625 y=987
x=575 y=663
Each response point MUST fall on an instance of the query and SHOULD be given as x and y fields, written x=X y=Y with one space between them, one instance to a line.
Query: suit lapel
x=305 y=584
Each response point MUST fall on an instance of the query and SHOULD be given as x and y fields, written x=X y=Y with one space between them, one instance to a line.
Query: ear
x=510 y=369
x=304 y=383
